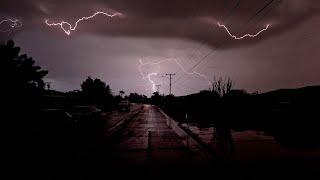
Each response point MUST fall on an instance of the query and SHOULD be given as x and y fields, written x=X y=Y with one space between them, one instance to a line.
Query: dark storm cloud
x=190 y=19
x=156 y=29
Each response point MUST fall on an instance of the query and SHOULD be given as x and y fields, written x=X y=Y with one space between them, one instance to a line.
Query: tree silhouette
x=221 y=86
x=156 y=98
x=19 y=71
x=121 y=93
x=137 y=98
x=21 y=89
x=96 y=91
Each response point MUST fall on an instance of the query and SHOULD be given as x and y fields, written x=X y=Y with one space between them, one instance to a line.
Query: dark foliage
x=96 y=92
x=19 y=72
x=288 y=115
x=137 y=98
x=21 y=90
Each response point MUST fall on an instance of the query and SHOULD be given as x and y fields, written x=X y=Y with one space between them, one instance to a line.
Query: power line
x=262 y=9
x=182 y=88
x=200 y=46
x=212 y=51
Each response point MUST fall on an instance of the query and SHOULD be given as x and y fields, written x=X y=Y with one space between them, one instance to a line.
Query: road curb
x=188 y=139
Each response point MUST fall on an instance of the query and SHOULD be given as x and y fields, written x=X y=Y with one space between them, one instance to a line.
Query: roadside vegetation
x=65 y=129
x=289 y=115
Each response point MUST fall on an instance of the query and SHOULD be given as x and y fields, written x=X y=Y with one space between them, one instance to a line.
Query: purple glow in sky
x=284 y=56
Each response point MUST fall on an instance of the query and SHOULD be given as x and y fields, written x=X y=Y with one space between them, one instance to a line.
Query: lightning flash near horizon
x=193 y=73
x=73 y=27
x=244 y=36
x=149 y=75
x=11 y=23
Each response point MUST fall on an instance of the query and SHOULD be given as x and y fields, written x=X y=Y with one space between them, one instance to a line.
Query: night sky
x=284 y=56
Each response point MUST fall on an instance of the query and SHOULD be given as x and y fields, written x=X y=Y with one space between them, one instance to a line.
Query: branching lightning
x=12 y=23
x=244 y=36
x=67 y=27
x=149 y=75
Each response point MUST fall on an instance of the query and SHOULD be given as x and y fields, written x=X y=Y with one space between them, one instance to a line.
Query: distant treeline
x=104 y=100
x=42 y=138
x=291 y=115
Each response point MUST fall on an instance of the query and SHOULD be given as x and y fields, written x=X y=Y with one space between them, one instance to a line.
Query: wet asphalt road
x=147 y=147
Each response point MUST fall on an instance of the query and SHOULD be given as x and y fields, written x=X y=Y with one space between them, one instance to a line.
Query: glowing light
x=12 y=23
x=244 y=36
x=151 y=81
x=149 y=75
x=70 y=27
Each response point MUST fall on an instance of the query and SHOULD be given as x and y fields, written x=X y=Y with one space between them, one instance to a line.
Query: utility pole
x=158 y=88
x=170 y=78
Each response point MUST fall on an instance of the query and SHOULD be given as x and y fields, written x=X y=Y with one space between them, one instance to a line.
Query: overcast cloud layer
x=284 y=56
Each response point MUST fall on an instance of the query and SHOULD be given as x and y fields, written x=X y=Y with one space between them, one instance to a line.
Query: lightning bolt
x=149 y=75
x=13 y=24
x=67 y=30
x=151 y=81
x=244 y=36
